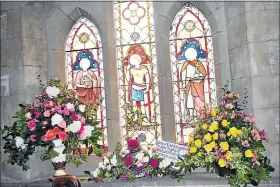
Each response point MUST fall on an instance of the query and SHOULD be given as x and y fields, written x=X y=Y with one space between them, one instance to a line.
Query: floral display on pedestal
x=57 y=121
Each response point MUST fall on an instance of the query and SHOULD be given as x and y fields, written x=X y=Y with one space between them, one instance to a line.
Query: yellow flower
x=213 y=112
x=193 y=149
x=208 y=137
x=228 y=134
x=213 y=144
x=215 y=136
x=239 y=132
x=222 y=163
x=233 y=131
x=204 y=126
x=208 y=148
x=248 y=153
x=191 y=139
x=213 y=127
x=225 y=123
x=224 y=146
x=228 y=155
x=197 y=143
x=199 y=154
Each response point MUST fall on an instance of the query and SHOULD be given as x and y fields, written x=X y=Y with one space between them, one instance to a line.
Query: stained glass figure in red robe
x=86 y=82
x=192 y=75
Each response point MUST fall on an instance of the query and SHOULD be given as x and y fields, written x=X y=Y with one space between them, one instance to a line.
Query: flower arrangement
x=55 y=120
x=227 y=141
x=132 y=161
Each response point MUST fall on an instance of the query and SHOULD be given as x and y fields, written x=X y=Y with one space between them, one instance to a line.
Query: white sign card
x=5 y=89
x=170 y=151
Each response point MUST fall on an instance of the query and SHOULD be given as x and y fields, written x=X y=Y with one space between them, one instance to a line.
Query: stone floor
x=197 y=180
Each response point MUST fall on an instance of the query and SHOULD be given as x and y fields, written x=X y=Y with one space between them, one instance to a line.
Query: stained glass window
x=137 y=71
x=84 y=65
x=192 y=65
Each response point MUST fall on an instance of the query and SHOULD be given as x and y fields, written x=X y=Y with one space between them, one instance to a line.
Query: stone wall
x=245 y=45
x=253 y=33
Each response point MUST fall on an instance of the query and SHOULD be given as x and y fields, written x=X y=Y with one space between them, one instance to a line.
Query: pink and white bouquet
x=132 y=161
x=56 y=120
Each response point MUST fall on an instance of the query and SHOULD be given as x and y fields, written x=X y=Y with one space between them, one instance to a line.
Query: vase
x=59 y=162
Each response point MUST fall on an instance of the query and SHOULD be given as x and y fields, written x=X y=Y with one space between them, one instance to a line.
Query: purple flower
x=124 y=176
x=263 y=134
x=74 y=117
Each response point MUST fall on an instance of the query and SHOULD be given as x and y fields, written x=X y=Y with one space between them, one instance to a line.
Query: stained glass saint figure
x=86 y=82
x=192 y=75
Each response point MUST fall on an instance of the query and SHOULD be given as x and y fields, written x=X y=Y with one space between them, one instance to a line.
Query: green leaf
x=60 y=100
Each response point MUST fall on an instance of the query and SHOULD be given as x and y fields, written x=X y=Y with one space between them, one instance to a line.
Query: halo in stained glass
x=84 y=37
x=142 y=137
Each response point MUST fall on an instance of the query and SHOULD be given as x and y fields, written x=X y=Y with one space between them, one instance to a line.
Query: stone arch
x=165 y=13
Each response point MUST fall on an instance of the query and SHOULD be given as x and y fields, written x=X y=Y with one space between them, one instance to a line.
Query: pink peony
x=82 y=120
x=129 y=161
x=62 y=124
x=154 y=163
x=65 y=112
x=31 y=125
x=32 y=137
x=62 y=136
x=81 y=129
x=45 y=122
x=47 y=113
x=51 y=103
x=132 y=143
x=37 y=114
x=83 y=136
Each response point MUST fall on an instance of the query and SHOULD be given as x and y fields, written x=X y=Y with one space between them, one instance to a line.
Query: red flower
x=51 y=103
x=56 y=130
x=62 y=136
x=81 y=129
x=134 y=144
x=154 y=163
x=50 y=135
x=129 y=161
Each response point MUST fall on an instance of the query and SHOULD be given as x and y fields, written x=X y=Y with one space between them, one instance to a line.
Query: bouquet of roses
x=132 y=161
x=227 y=141
x=55 y=120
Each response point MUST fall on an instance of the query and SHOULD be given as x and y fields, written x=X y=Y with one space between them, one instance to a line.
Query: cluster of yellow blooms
x=210 y=140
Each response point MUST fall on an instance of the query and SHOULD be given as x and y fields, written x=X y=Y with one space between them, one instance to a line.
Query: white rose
x=101 y=165
x=114 y=161
x=150 y=152
x=52 y=91
x=94 y=174
x=82 y=108
x=57 y=143
x=70 y=106
x=109 y=167
x=88 y=130
x=28 y=115
x=23 y=146
x=139 y=156
x=75 y=126
x=146 y=159
x=19 y=141
x=106 y=161
x=56 y=119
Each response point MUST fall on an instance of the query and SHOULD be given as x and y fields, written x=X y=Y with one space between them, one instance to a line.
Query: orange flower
x=50 y=135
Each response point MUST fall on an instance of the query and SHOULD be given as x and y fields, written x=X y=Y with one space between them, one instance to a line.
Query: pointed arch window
x=137 y=71
x=84 y=68
x=192 y=64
